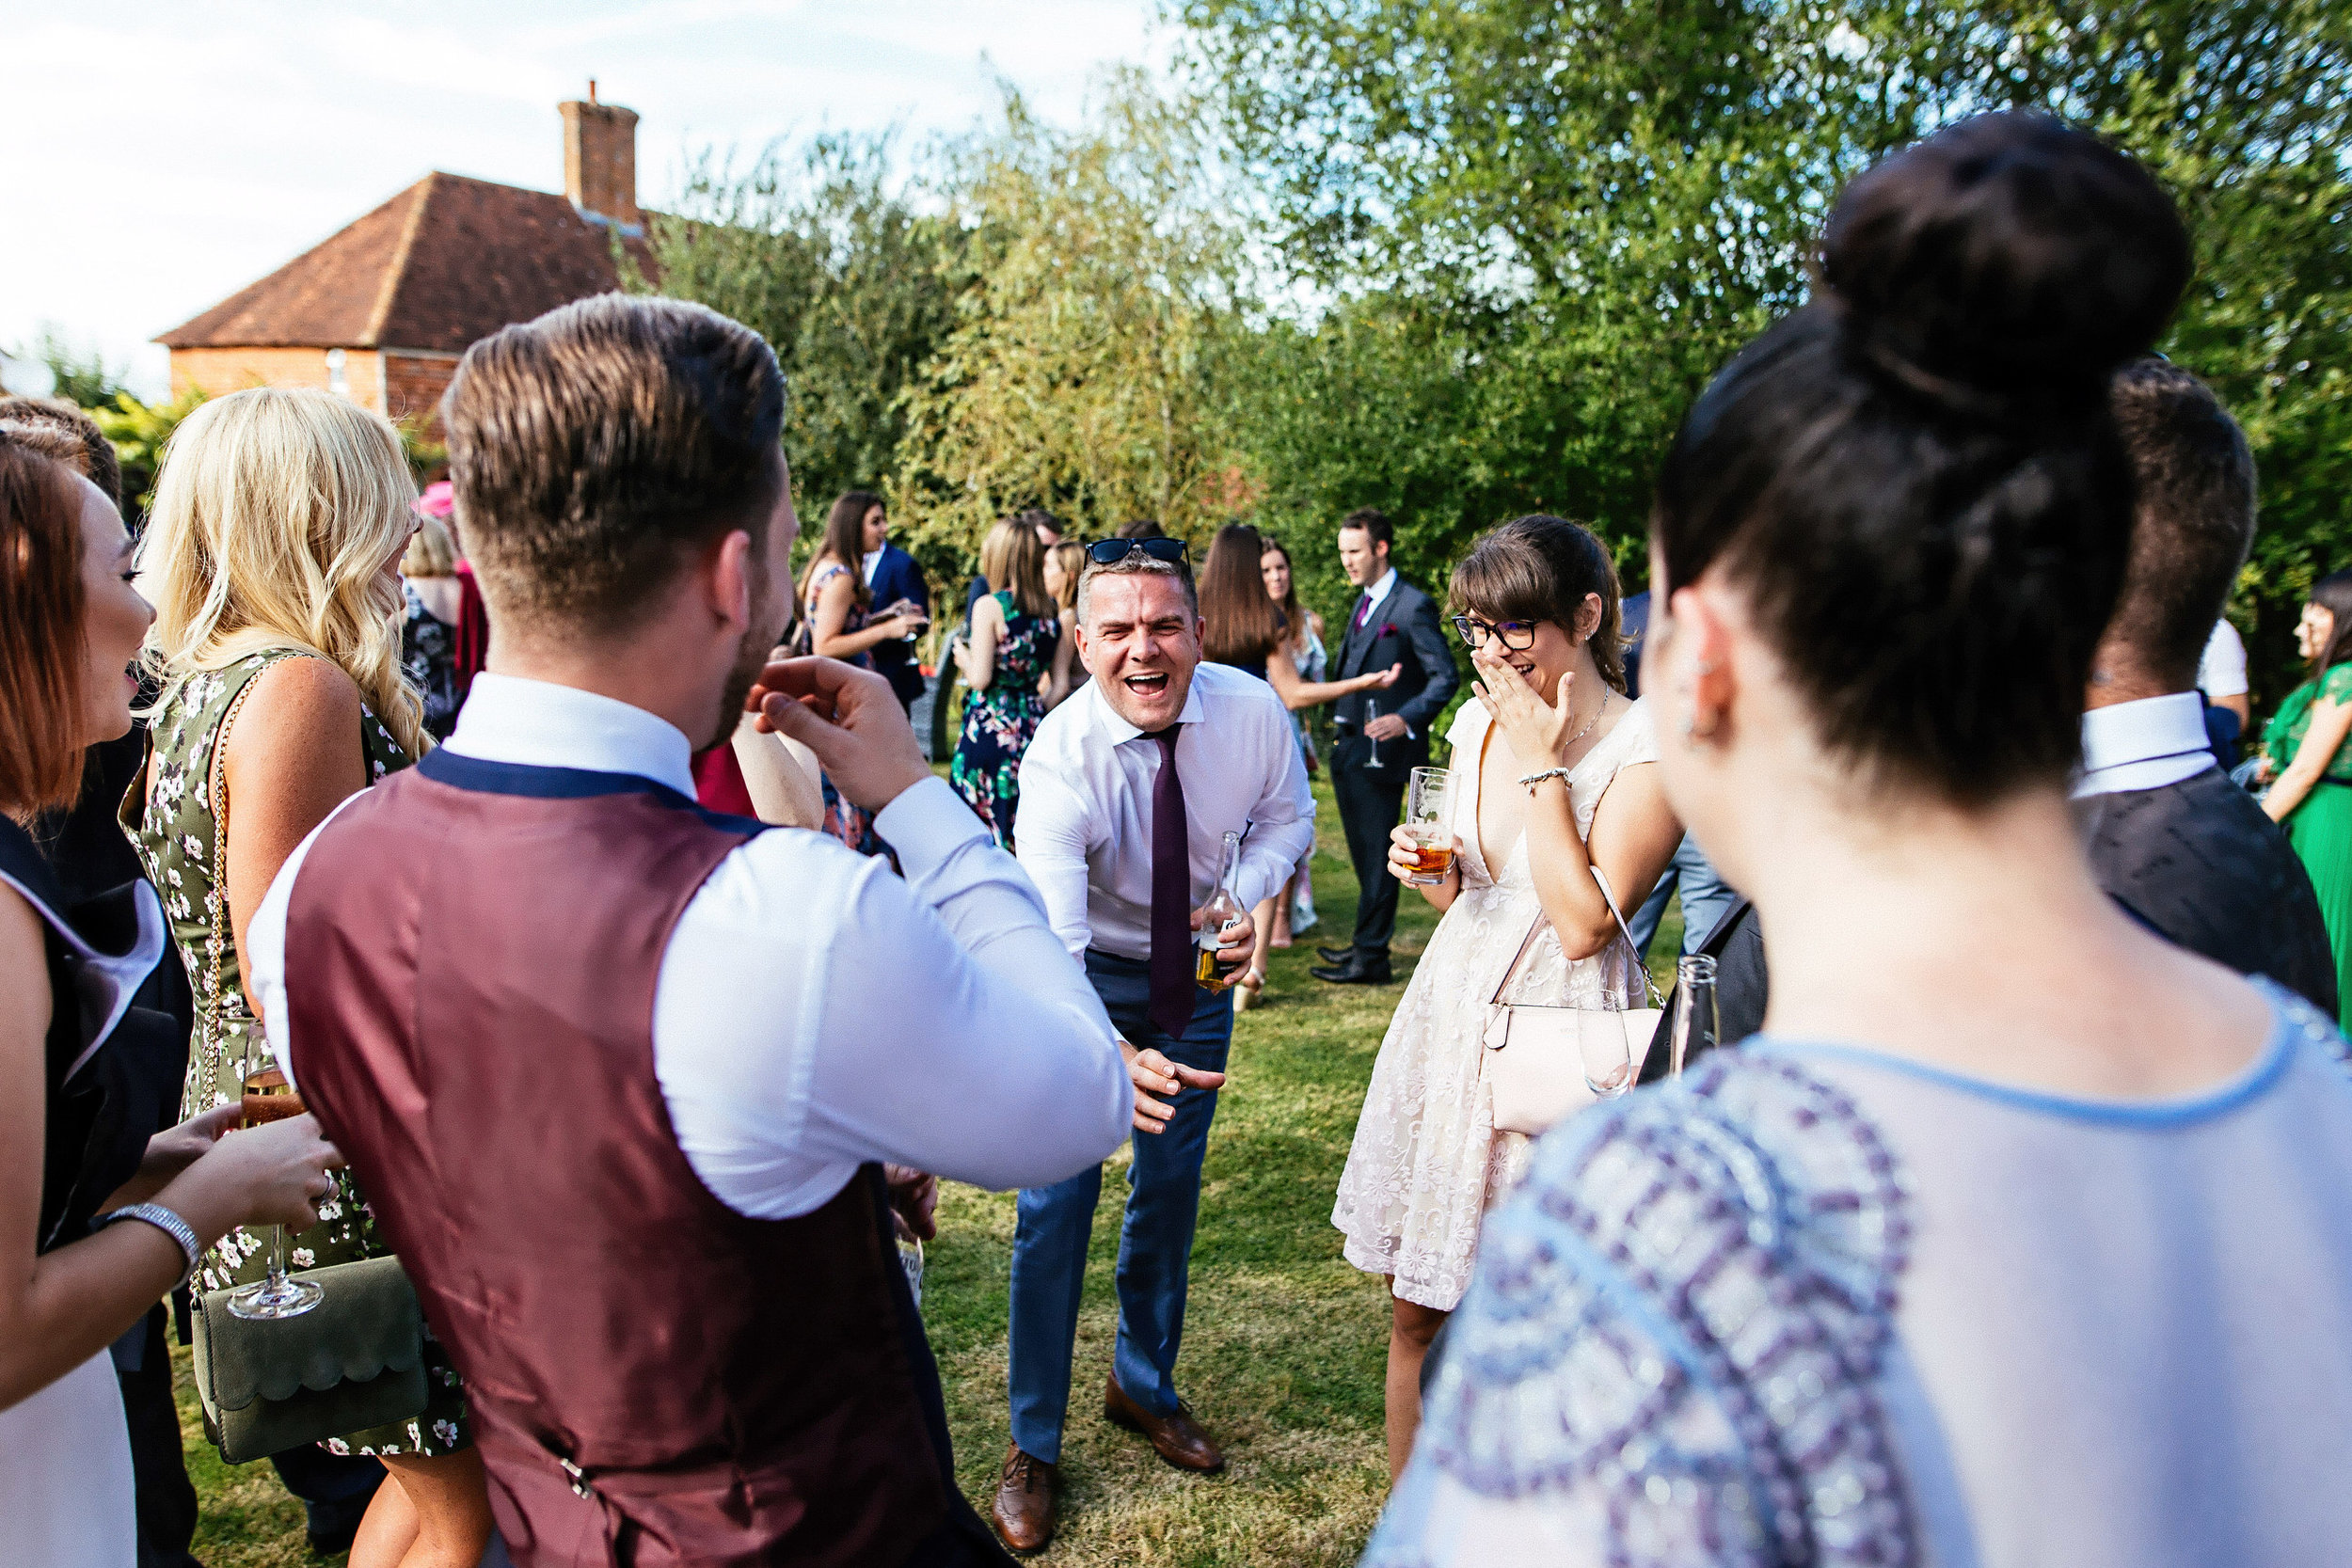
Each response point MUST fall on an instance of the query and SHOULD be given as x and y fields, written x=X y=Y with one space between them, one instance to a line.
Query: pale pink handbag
x=1543 y=1061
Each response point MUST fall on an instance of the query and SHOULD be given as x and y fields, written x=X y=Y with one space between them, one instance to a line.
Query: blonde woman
x=1064 y=559
x=1016 y=634
x=272 y=557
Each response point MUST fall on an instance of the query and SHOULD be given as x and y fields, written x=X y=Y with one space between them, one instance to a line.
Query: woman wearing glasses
x=1551 y=783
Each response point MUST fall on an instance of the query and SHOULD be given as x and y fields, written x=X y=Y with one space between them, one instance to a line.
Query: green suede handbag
x=354 y=1361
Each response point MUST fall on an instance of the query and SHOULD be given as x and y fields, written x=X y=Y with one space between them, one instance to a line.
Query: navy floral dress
x=998 y=722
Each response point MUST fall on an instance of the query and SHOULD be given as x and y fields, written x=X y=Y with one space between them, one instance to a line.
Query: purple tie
x=1363 y=610
x=1171 y=896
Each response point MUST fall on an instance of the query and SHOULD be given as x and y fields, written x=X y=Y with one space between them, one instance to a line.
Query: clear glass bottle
x=1697 y=1025
x=1221 y=910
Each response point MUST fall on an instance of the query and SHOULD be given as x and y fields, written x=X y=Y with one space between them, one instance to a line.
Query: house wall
x=231 y=370
x=414 y=381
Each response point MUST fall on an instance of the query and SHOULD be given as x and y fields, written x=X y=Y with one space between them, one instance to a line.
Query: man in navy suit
x=1383 y=735
x=891 y=576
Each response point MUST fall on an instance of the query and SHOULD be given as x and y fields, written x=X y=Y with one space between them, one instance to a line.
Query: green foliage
x=84 y=379
x=139 y=431
x=851 y=285
x=1078 y=376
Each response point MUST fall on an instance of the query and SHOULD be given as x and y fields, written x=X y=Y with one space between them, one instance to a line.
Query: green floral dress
x=174 y=832
x=2321 y=827
x=998 y=722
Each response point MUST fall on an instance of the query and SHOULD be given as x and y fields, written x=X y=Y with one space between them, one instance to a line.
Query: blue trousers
x=1049 y=1239
x=1705 y=898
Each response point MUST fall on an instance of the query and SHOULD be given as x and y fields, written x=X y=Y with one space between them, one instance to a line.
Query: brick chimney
x=600 y=159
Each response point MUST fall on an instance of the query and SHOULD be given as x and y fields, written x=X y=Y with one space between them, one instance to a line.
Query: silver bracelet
x=169 y=1223
x=1534 y=779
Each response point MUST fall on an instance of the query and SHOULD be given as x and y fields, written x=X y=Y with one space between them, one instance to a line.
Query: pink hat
x=438 y=500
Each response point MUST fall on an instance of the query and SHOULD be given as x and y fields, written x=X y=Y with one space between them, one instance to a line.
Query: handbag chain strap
x=215 y=898
x=1536 y=929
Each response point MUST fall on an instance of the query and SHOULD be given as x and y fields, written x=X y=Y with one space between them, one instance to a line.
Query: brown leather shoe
x=1024 y=1501
x=1177 y=1437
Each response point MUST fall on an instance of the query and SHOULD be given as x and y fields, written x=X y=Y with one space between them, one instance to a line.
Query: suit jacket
x=1404 y=629
x=1741 y=987
x=896 y=577
x=2198 y=863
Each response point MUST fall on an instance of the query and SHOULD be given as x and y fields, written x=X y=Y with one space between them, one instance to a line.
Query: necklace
x=1588 y=723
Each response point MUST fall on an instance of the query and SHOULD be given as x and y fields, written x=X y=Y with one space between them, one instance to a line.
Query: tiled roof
x=445 y=263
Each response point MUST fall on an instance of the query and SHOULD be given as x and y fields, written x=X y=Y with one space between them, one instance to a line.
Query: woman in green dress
x=273 y=559
x=2305 y=755
x=1007 y=664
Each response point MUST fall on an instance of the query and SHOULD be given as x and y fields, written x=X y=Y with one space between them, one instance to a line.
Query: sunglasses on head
x=1109 y=552
x=1518 y=636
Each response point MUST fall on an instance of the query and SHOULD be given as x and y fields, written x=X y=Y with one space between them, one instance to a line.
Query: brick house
x=382 y=310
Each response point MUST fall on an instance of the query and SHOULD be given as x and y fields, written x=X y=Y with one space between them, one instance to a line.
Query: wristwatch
x=166 y=1221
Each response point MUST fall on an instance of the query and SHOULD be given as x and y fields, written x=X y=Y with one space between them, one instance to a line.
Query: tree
x=851 y=284
x=1079 y=373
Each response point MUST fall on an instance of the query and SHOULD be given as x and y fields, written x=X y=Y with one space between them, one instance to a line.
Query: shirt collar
x=1379 y=590
x=871 y=560
x=1115 y=727
x=540 y=724
x=2136 y=732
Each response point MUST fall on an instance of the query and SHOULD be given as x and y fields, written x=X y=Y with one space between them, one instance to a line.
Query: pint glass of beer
x=1429 y=822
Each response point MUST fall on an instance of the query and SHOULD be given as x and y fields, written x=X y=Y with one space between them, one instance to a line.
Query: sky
x=166 y=154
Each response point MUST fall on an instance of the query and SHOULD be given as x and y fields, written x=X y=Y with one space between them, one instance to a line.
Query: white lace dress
x=1428 y=1161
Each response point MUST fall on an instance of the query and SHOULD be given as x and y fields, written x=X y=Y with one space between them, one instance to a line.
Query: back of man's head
x=62 y=431
x=2192 y=528
x=595 y=451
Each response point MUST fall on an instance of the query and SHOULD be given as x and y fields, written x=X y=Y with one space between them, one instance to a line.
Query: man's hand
x=1386 y=727
x=915 y=1197
x=850 y=719
x=1236 y=942
x=1154 y=1074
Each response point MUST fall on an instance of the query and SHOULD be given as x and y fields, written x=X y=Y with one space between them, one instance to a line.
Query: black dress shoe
x=1355 y=974
x=1337 y=955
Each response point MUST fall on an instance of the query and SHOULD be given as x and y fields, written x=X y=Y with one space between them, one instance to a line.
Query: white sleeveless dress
x=1428 y=1161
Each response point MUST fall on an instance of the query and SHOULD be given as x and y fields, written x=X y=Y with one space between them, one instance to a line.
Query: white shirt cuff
x=927 y=823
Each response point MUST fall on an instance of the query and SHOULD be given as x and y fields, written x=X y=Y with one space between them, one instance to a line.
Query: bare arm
x=1634 y=835
x=1065 y=676
x=833 y=613
x=2238 y=702
x=60 y=1308
x=2330 y=722
x=978 y=659
x=784 y=789
x=1298 y=692
x=293 y=757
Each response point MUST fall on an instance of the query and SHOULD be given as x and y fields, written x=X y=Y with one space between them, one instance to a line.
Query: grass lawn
x=1284 y=1343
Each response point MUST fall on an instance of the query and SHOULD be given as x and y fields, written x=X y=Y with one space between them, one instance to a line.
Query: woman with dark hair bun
x=1555 y=811
x=1977 y=1253
x=2304 y=752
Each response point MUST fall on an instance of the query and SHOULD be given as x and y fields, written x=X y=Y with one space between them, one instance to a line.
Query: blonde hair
x=1073 y=557
x=1010 y=556
x=276 y=511
x=432 y=553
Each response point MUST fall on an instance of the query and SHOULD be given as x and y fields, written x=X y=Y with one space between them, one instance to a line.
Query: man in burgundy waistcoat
x=620 y=1074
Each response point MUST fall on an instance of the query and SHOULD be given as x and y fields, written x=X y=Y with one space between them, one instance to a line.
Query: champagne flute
x=269 y=1097
x=1372 y=711
x=1697 y=1025
x=1428 y=797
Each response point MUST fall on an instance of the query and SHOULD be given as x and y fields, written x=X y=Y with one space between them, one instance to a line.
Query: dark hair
x=2333 y=593
x=41 y=631
x=595 y=450
x=65 y=433
x=1916 y=479
x=845 y=541
x=1539 y=568
x=2194 y=521
x=1036 y=517
x=1373 y=521
x=1240 y=624
x=1141 y=527
x=1294 y=618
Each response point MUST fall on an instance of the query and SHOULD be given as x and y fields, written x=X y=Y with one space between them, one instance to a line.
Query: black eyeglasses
x=1518 y=636
x=1109 y=552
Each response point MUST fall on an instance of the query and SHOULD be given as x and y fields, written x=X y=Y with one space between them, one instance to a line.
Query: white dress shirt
x=813 y=1011
x=2221 y=669
x=2143 y=745
x=1085 y=829
x=868 y=564
x=1379 y=593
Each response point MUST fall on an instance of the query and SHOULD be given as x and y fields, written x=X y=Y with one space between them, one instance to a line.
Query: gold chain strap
x=216 y=899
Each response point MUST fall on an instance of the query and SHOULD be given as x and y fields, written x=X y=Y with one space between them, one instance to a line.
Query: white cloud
x=178 y=151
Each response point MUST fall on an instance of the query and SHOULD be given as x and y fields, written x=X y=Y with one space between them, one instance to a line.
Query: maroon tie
x=1171 y=896
x=1363 y=610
